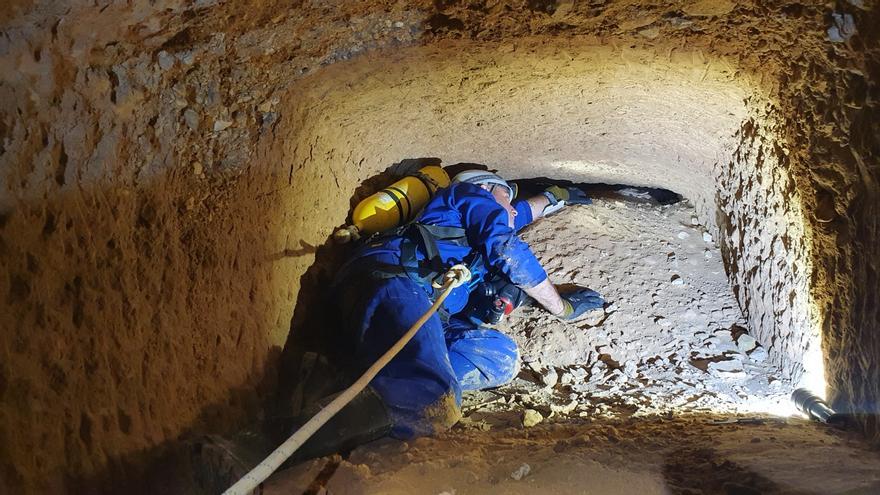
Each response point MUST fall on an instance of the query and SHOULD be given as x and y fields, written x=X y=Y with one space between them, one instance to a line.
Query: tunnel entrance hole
x=586 y=113
x=671 y=339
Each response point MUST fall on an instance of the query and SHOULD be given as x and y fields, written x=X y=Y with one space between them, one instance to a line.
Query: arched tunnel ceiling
x=583 y=112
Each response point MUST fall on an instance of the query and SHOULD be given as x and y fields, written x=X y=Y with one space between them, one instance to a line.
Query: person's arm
x=537 y=205
x=547 y=296
x=529 y=210
x=489 y=233
x=523 y=214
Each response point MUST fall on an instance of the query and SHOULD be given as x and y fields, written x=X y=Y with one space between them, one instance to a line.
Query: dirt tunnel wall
x=169 y=171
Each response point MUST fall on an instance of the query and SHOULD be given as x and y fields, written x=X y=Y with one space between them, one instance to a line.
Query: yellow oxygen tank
x=395 y=205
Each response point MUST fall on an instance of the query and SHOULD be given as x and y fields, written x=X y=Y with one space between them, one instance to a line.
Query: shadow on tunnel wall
x=169 y=467
x=131 y=316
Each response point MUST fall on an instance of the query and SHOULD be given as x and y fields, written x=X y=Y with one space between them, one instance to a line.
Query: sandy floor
x=637 y=398
x=638 y=455
x=672 y=336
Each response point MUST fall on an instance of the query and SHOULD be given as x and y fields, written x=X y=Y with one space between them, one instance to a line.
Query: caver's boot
x=219 y=462
x=316 y=379
x=362 y=420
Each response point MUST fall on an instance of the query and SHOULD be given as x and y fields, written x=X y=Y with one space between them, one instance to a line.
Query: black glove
x=579 y=301
x=571 y=195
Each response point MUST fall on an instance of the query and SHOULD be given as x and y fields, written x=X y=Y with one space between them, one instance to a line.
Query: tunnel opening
x=171 y=174
x=702 y=128
x=596 y=115
x=683 y=344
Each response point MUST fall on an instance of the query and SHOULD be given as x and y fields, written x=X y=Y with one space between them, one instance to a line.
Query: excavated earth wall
x=169 y=170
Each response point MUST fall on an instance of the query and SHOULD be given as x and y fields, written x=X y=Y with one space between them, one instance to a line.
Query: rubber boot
x=218 y=462
x=362 y=420
x=315 y=379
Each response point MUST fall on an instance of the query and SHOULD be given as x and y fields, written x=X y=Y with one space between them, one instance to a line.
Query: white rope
x=456 y=276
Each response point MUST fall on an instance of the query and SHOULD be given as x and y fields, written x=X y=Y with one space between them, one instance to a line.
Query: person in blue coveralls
x=387 y=285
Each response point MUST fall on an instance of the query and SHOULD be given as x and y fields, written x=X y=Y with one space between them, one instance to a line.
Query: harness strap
x=423 y=276
x=430 y=184
x=455 y=234
x=409 y=262
x=422 y=273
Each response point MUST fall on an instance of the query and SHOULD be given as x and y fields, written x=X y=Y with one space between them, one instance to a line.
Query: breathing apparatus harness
x=428 y=273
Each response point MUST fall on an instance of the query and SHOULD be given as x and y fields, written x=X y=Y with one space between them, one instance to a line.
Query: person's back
x=485 y=242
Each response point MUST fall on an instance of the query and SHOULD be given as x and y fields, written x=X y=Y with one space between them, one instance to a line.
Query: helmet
x=484 y=177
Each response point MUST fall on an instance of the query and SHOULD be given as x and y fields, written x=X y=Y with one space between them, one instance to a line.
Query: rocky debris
x=728 y=368
x=650 y=32
x=521 y=472
x=531 y=418
x=843 y=27
x=191 y=118
x=549 y=377
x=166 y=60
x=656 y=350
x=268 y=105
x=758 y=355
x=564 y=409
x=376 y=31
x=592 y=318
x=475 y=424
x=220 y=125
x=573 y=376
x=745 y=343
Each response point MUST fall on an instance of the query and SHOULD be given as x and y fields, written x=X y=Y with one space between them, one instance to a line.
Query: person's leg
x=418 y=386
x=416 y=394
x=480 y=357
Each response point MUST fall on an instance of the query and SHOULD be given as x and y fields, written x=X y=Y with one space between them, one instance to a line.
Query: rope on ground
x=456 y=276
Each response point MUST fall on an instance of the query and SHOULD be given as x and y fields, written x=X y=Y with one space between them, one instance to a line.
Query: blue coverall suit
x=421 y=387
